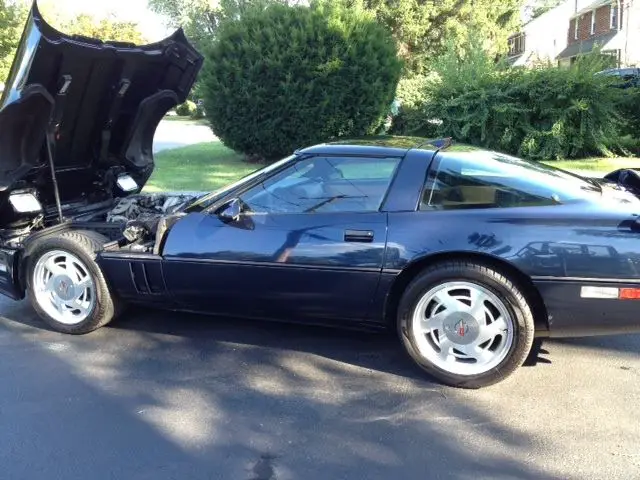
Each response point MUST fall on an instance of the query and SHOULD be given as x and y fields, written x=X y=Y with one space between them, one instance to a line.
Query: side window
x=491 y=180
x=324 y=184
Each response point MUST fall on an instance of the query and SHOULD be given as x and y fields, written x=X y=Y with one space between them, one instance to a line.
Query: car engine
x=145 y=218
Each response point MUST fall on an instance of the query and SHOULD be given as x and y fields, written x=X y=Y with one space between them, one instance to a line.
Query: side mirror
x=231 y=212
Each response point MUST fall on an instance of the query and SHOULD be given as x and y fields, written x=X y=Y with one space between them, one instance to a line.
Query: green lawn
x=185 y=120
x=596 y=164
x=208 y=166
x=200 y=167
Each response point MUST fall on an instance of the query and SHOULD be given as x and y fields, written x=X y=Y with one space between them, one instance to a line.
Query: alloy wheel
x=63 y=287
x=462 y=328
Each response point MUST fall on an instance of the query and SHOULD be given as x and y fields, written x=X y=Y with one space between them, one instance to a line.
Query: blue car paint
x=298 y=267
x=290 y=266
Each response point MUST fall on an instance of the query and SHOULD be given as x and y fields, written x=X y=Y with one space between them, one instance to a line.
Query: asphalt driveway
x=166 y=395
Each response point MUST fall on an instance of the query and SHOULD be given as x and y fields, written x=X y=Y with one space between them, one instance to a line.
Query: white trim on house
x=613 y=16
x=592 y=6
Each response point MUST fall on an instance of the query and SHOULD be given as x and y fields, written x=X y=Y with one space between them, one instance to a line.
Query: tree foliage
x=104 y=28
x=423 y=27
x=201 y=19
x=11 y=22
x=541 y=7
x=13 y=16
x=281 y=78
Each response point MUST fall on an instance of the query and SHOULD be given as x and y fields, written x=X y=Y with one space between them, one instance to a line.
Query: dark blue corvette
x=469 y=254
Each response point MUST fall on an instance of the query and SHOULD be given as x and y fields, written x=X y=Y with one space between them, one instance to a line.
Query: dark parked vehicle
x=469 y=254
x=625 y=77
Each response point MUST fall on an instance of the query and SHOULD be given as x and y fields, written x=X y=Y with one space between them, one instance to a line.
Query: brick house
x=612 y=25
x=543 y=38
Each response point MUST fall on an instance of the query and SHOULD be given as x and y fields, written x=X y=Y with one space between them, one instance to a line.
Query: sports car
x=467 y=254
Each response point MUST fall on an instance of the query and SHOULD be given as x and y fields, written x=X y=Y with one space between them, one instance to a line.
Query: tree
x=106 y=28
x=541 y=7
x=13 y=16
x=201 y=19
x=282 y=77
x=11 y=22
x=422 y=27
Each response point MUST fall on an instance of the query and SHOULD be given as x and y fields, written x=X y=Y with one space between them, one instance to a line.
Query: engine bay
x=137 y=223
x=143 y=220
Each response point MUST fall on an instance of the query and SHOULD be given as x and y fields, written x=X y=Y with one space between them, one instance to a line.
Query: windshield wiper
x=595 y=183
x=326 y=202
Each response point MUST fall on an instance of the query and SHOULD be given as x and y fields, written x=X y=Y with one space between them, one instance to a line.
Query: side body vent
x=134 y=277
x=147 y=277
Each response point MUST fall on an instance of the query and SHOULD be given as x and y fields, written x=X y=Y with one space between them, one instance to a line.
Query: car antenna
x=53 y=133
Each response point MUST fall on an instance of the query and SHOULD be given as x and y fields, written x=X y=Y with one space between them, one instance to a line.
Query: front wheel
x=466 y=324
x=66 y=286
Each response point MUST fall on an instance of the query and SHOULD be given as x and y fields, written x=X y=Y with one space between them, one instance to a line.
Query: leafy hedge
x=412 y=96
x=281 y=77
x=540 y=113
x=630 y=111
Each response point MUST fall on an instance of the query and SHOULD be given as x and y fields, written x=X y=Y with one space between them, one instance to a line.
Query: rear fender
x=399 y=282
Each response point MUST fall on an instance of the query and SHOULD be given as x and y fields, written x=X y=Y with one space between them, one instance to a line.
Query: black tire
x=493 y=281
x=84 y=245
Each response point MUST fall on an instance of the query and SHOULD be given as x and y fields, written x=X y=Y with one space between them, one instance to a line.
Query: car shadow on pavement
x=262 y=401
x=372 y=350
x=380 y=351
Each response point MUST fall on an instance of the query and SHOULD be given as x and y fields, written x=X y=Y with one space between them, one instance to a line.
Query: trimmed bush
x=542 y=113
x=283 y=77
x=187 y=109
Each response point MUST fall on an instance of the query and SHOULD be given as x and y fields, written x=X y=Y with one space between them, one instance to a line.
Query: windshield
x=209 y=199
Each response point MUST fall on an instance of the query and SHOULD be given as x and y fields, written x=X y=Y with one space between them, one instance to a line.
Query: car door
x=307 y=245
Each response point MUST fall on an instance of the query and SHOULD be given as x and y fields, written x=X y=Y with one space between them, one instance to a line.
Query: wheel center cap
x=63 y=286
x=461 y=328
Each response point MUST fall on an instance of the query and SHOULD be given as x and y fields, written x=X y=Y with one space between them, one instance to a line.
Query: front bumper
x=10 y=284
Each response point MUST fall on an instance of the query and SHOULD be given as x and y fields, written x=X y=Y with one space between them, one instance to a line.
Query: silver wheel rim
x=462 y=328
x=63 y=287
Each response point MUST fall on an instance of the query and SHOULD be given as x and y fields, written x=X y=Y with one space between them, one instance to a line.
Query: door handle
x=364 y=236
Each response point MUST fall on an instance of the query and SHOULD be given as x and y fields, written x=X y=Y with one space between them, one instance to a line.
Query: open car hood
x=99 y=103
x=627 y=178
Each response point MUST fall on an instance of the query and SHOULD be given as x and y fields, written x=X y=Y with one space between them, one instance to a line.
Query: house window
x=575 y=28
x=517 y=44
x=613 y=17
x=593 y=22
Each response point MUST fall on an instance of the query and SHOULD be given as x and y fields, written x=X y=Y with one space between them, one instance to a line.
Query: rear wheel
x=466 y=324
x=65 y=285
